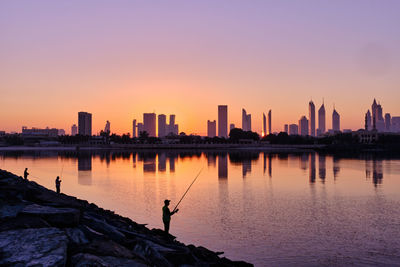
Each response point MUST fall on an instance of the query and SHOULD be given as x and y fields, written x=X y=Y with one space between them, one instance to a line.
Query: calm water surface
x=268 y=209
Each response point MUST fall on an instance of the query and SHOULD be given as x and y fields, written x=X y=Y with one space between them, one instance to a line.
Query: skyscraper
x=211 y=128
x=269 y=122
x=162 y=125
x=223 y=121
x=140 y=128
x=74 y=130
x=387 y=122
x=286 y=128
x=172 y=127
x=246 y=121
x=293 y=129
x=368 y=120
x=321 y=120
x=134 y=128
x=311 y=113
x=303 y=126
x=264 y=129
x=84 y=123
x=149 y=123
x=107 y=128
x=335 y=121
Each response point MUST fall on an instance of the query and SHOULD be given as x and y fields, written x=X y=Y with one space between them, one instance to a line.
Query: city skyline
x=60 y=58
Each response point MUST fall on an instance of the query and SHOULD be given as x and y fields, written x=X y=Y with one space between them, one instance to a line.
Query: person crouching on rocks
x=167 y=215
x=58 y=184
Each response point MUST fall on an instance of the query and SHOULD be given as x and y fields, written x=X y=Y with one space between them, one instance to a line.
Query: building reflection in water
x=377 y=172
x=134 y=159
x=270 y=165
x=312 y=171
x=246 y=167
x=162 y=162
x=172 y=159
x=322 y=167
x=303 y=161
x=84 y=169
x=149 y=162
x=336 y=167
x=211 y=160
x=222 y=166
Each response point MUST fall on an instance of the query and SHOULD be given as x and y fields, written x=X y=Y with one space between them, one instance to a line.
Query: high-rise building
x=293 y=129
x=74 y=130
x=107 y=128
x=321 y=120
x=269 y=122
x=303 y=126
x=149 y=123
x=172 y=128
x=368 y=121
x=134 y=128
x=211 y=128
x=311 y=113
x=140 y=128
x=286 y=128
x=246 y=121
x=388 y=123
x=162 y=125
x=264 y=129
x=223 y=121
x=84 y=123
x=335 y=121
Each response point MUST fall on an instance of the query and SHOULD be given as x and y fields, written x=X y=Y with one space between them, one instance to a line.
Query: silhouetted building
x=388 y=122
x=368 y=125
x=293 y=129
x=269 y=122
x=396 y=124
x=84 y=123
x=140 y=128
x=172 y=128
x=222 y=121
x=47 y=132
x=149 y=123
x=211 y=128
x=246 y=121
x=321 y=120
x=162 y=125
x=311 y=110
x=303 y=126
x=107 y=128
x=134 y=128
x=264 y=128
x=286 y=128
x=61 y=132
x=74 y=130
x=335 y=121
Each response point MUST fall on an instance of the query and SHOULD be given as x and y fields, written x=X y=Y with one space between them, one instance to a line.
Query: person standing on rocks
x=26 y=174
x=167 y=215
x=58 y=184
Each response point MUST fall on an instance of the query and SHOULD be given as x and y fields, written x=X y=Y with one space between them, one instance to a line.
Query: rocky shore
x=39 y=227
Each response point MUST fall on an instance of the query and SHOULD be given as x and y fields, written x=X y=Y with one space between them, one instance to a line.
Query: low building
x=36 y=132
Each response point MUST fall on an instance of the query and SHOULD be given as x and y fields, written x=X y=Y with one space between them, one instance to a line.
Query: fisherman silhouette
x=58 y=184
x=26 y=174
x=167 y=215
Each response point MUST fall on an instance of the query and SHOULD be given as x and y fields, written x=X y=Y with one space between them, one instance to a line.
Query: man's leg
x=166 y=227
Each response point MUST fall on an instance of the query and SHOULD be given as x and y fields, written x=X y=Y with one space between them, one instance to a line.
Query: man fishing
x=167 y=215
x=26 y=173
x=58 y=184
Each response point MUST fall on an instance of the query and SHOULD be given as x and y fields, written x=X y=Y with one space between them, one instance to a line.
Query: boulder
x=76 y=236
x=60 y=217
x=83 y=260
x=33 y=247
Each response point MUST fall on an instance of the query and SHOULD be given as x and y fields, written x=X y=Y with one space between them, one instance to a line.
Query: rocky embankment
x=39 y=227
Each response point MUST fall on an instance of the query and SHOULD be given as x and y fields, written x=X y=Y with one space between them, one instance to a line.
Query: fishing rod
x=197 y=176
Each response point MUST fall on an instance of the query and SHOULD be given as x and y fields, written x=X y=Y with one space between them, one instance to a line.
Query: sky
x=120 y=59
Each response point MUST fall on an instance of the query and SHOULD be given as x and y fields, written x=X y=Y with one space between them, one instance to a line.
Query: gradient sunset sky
x=119 y=59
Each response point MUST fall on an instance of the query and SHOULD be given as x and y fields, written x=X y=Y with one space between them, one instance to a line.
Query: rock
x=82 y=259
x=60 y=217
x=103 y=227
x=107 y=248
x=9 y=211
x=76 y=236
x=150 y=255
x=33 y=247
x=23 y=222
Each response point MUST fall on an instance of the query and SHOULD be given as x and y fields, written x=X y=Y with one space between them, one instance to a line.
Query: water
x=268 y=209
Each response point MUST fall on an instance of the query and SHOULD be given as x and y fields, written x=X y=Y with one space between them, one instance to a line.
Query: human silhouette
x=26 y=174
x=167 y=215
x=58 y=184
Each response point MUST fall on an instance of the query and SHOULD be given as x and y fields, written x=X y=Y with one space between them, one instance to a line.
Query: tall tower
x=269 y=122
x=244 y=120
x=107 y=128
x=264 y=129
x=211 y=128
x=134 y=128
x=74 y=130
x=321 y=119
x=311 y=112
x=223 y=121
x=162 y=125
x=84 y=123
x=368 y=120
x=303 y=126
x=388 y=123
x=335 y=121
x=149 y=123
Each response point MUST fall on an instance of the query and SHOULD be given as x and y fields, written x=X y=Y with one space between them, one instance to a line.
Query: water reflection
x=322 y=167
x=222 y=166
x=312 y=168
x=84 y=169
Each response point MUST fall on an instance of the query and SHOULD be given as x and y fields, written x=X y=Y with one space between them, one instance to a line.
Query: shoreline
x=39 y=226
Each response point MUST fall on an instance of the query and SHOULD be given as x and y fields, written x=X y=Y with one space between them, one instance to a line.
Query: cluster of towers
x=306 y=126
x=149 y=125
x=374 y=120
